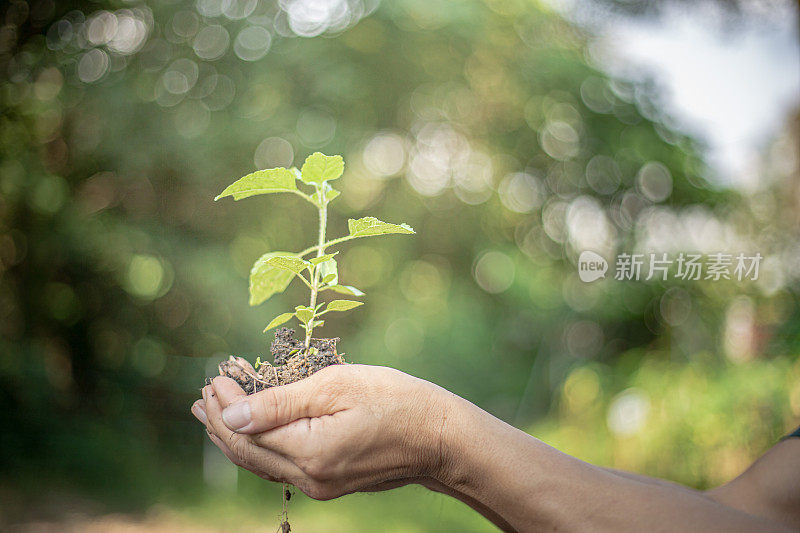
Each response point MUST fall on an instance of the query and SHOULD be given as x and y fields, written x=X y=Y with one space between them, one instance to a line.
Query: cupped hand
x=346 y=428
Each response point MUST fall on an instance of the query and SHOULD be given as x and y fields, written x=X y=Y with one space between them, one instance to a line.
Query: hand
x=346 y=428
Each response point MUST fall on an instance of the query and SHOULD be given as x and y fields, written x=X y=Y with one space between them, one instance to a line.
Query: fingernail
x=237 y=415
x=198 y=412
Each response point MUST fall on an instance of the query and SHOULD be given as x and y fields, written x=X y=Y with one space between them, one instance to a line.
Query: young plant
x=316 y=265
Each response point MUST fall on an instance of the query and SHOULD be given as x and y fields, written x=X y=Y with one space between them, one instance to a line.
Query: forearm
x=769 y=487
x=533 y=487
x=488 y=513
x=648 y=480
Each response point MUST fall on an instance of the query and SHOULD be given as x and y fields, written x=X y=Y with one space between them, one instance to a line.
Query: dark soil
x=291 y=362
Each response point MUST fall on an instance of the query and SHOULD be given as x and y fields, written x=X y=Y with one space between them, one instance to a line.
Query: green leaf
x=342 y=305
x=277 y=321
x=320 y=168
x=322 y=258
x=368 y=226
x=261 y=182
x=289 y=262
x=303 y=313
x=267 y=279
x=346 y=289
x=329 y=271
x=330 y=194
x=317 y=323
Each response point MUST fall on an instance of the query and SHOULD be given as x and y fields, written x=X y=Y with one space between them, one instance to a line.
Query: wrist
x=426 y=429
x=440 y=435
x=453 y=438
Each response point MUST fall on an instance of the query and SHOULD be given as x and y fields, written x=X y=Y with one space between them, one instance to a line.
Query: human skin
x=351 y=428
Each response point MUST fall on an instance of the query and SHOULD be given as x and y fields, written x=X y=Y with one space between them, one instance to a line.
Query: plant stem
x=323 y=222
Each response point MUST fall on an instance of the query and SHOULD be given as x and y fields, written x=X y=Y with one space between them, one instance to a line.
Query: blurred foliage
x=699 y=424
x=488 y=126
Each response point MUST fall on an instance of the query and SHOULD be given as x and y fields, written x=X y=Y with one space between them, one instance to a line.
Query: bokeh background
x=511 y=135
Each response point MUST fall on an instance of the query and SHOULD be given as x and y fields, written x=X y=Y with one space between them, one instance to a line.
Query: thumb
x=227 y=390
x=277 y=406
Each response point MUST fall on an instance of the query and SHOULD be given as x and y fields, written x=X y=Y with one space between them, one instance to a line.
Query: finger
x=233 y=458
x=215 y=425
x=227 y=390
x=221 y=436
x=278 y=406
x=246 y=454
x=223 y=447
x=292 y=440
x=199 y=411
x=208 y=394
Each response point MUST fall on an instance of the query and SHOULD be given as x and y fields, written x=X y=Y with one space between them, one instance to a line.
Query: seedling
x=315 y=267
x=274 y=271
